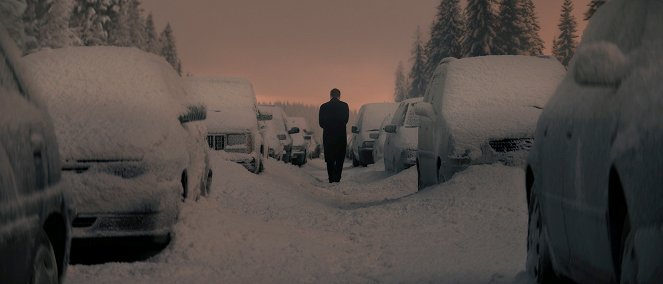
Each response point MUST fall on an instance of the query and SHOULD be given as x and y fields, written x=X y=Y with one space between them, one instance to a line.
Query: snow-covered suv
x=125 y=139
x=594 y=179
x=232 y=119
x=35 y=212
x=481 y=110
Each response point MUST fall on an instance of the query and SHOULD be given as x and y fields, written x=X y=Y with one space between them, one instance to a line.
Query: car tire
x=629 y=261
x=538 y=259
x=420 y=183
x=44 y=264
x=208 y=183
x=355 y=162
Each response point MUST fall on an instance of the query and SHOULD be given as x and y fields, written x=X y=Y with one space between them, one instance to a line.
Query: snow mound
x=496 y=97
x=231 y=102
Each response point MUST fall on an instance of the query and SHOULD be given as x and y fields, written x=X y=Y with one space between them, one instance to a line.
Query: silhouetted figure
x=333 y=117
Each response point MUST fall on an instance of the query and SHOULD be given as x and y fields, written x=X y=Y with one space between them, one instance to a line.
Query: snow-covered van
x=367 y=129
x=35 y=209
x=481 y=110
x=232 y=119
x=125 y=141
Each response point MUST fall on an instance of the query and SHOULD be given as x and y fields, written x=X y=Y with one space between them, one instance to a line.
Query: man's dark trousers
x=333 y=118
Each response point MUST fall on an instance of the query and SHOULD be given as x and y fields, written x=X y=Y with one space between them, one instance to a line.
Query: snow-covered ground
x=288 y=225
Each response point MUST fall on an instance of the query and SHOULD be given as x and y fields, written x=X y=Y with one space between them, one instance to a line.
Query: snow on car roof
x=231 y=102
x=298 y=122
x=373 y=114
x=496 y=97
x=107 y=102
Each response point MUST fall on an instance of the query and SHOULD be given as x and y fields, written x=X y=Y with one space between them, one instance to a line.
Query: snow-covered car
x=366 y=130
x=277 y=139
x=594 y=178
x=232 y=119
x=122 y=123
x=35 y=207
x=481 y=110
x=378 y=147
x=402 y=133
x=300 y=140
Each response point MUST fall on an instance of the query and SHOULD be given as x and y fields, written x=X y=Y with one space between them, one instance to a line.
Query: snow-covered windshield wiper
x=537 y=107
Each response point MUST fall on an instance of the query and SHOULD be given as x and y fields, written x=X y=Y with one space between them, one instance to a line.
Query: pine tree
x=151 y=38
x=565 y=44
x=446 y=38
x=400 y=87
x=417 y=76
x=169 y=50
x=90 y=20
x=481 y=25
x=118 y=28
x=533 y=44
x=511 y=34
x=593 y=6
x=137 y=24
x=11 y=12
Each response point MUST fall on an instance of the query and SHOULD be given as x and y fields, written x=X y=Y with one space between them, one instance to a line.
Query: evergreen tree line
x=37 y=24
x=484 y=27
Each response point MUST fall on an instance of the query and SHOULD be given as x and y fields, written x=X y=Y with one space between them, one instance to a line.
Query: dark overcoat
x=333 y=117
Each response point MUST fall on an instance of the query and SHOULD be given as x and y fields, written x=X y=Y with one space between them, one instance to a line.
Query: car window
x=437 y=87
x=8 y=81
x=399 y=115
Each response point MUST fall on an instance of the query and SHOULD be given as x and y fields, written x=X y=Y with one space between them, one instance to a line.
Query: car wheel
x=538 y=260
x=44 y=265
x=420 y=183
x=629 y=264
x=355 y=162
x=185 y=186
x=208 y=183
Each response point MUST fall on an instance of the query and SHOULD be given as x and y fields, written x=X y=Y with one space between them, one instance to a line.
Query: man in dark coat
x=333 y=117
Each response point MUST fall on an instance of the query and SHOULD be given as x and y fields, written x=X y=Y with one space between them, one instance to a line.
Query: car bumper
x=366 y=155
x=116 y=207
x=298 y=158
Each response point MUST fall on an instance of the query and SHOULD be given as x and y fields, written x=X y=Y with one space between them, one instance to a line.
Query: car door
x=391 y=144
x=557 y=152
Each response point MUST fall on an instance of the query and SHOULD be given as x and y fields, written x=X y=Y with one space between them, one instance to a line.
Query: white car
x=594 y=180
x=232 y=119
x=378 y=147
x=121 y=120
x=300 y=140
x=366 y=130
x=481 y=110
x=35 y=207
x=402 y=133
x=277 y=140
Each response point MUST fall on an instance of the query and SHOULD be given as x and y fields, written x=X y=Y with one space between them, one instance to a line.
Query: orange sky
x=298 y=50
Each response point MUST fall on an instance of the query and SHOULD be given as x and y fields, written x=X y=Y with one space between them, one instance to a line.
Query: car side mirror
x=293 y=130
x=423 y=109
x=600 y=64
x=355 y=130
x=391 y=128
x=307 y=137
x=193 y=113
x=281 y=137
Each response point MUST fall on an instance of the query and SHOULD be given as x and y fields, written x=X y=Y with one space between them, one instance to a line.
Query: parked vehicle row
x=366 y=130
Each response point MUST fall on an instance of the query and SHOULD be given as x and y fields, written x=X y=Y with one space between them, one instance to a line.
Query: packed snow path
x=288 y=225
